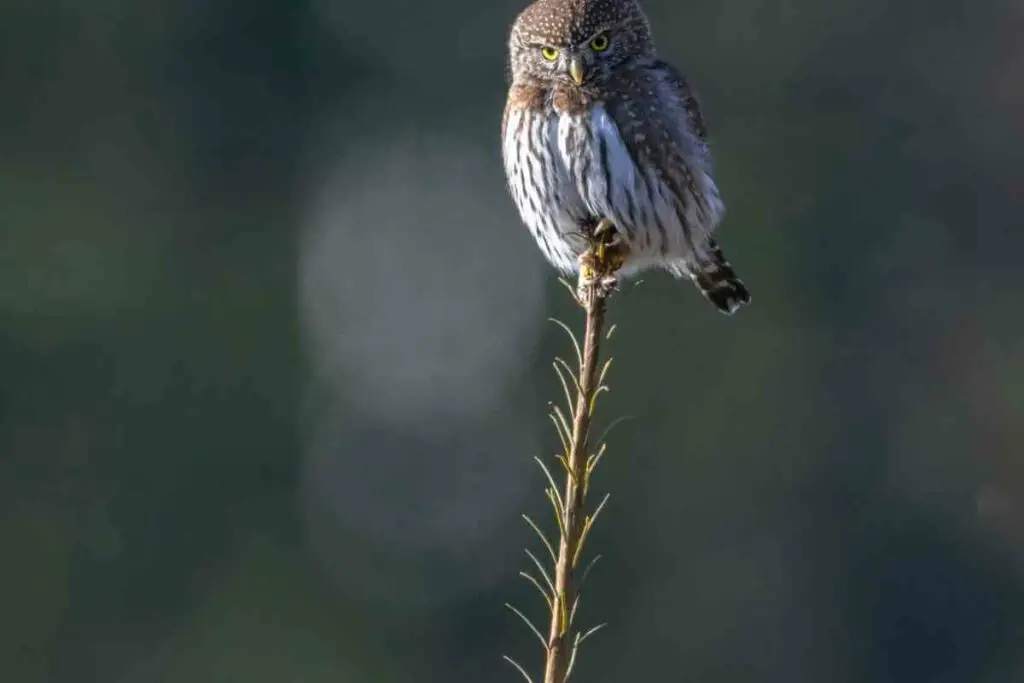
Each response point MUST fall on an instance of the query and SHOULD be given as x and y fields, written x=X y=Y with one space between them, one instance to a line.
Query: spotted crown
x=570 y=22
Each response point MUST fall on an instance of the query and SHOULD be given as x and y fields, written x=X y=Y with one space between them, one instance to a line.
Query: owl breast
x=538 y=178
x=611 y=184
x=568 y=169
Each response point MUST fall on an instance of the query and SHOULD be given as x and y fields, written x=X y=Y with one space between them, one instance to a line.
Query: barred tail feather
x=716 y=280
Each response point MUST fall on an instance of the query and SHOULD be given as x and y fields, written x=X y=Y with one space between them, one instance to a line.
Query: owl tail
x=716 y=280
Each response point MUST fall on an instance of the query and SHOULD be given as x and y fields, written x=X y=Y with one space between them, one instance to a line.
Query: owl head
x=577 y=41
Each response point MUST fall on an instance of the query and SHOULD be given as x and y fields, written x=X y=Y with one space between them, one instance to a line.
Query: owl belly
x=644 y=209
x=548 y=201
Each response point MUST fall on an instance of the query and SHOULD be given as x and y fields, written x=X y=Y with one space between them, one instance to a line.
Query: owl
x=599 y=132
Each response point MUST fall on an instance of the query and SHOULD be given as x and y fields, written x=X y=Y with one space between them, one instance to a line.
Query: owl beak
x=576 y=70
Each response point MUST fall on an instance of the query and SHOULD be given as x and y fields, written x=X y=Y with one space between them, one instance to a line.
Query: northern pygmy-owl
x=598 y=129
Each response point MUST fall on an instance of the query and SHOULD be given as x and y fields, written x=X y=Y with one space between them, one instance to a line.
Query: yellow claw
x=603 y=226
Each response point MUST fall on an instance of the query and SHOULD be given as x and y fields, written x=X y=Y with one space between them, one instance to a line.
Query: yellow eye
x=549 y=53
x=599 y=43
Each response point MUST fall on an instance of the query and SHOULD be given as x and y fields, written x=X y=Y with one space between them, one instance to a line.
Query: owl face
x=577 y=41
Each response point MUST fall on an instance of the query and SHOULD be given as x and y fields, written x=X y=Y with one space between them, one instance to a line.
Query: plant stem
x=560 y=645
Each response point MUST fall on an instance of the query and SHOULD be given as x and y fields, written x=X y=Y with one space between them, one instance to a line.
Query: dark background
x=274 y=356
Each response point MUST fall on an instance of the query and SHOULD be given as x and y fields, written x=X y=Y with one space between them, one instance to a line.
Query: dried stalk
x=561 y=592
x=575 y=522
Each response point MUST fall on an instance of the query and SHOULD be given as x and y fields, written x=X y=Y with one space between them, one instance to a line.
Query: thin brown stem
x=560 y=642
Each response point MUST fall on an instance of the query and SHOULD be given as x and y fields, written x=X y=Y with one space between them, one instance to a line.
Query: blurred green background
x=274 y=356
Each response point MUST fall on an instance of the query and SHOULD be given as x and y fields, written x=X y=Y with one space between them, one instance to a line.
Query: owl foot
x=605 y=255
x=598 y=266
x=606 y=284
x=589 y=274
x=612 y=254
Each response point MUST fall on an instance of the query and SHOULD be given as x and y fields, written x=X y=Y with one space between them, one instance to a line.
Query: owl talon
x=609 y=284
x=602 y=227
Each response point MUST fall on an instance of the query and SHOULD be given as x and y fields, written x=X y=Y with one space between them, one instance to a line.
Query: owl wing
x=663 y=129
x=686 y=95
